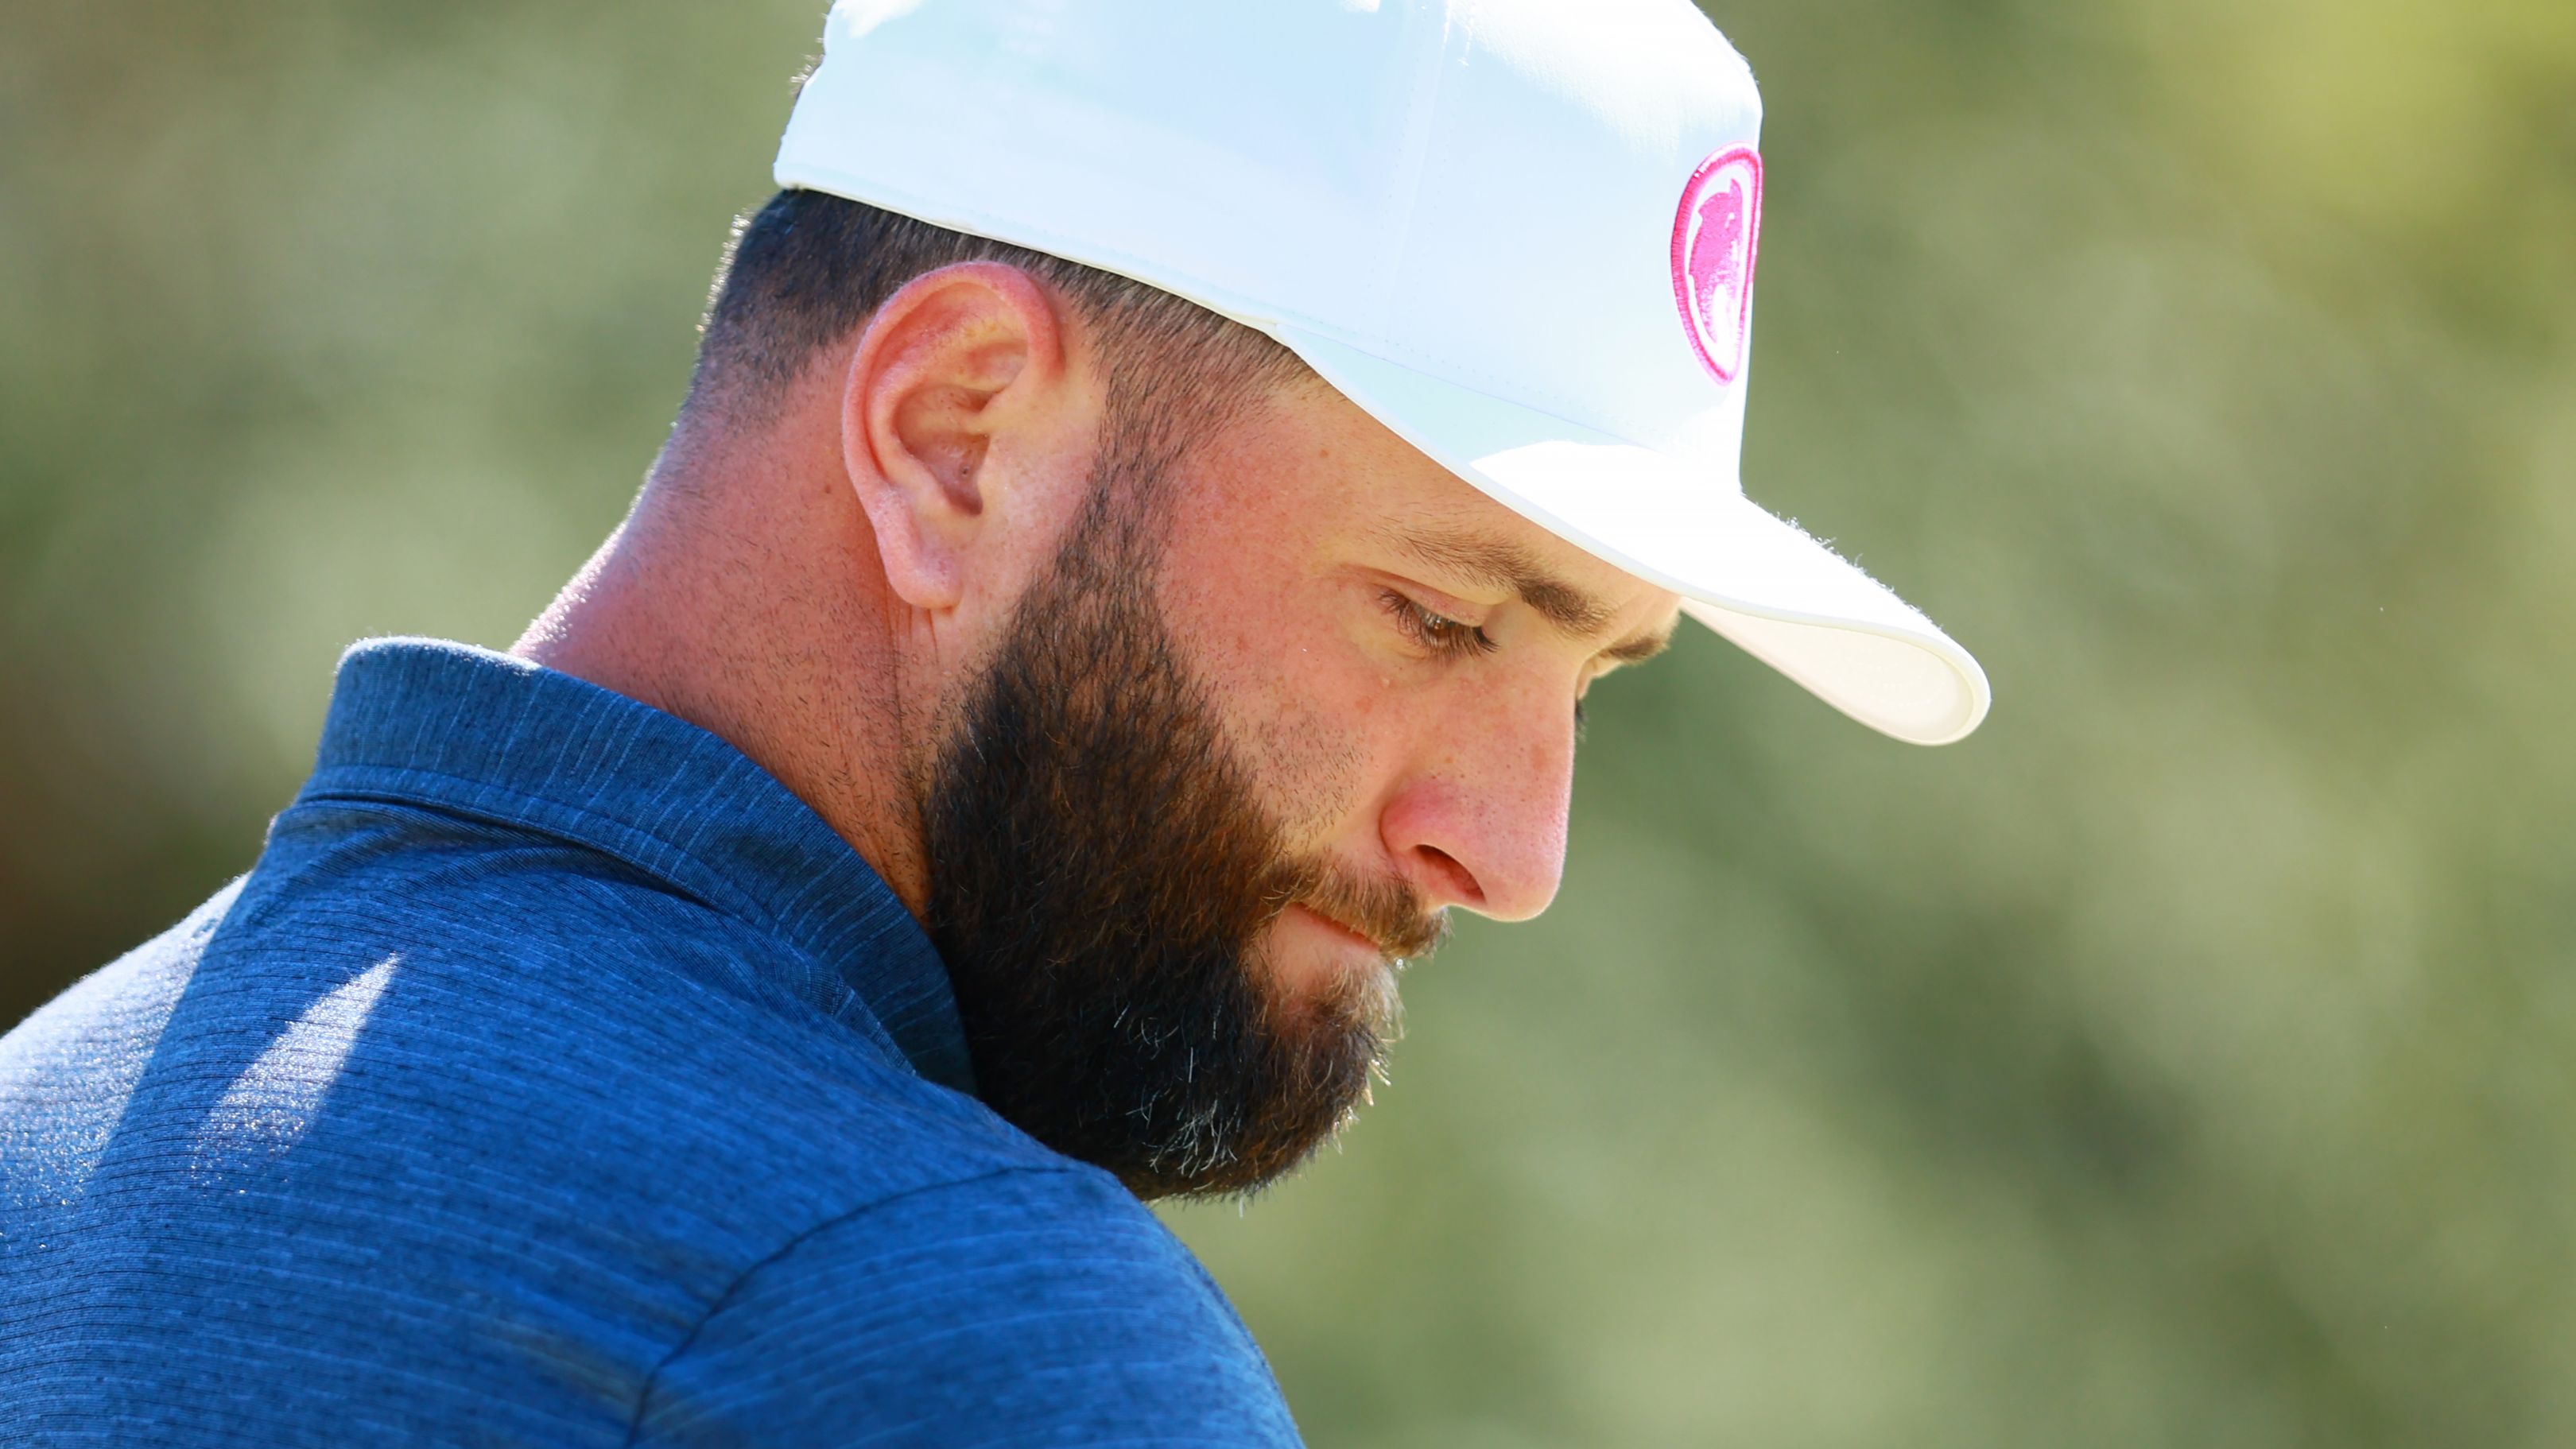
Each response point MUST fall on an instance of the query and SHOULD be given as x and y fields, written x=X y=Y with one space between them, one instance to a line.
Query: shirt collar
x=504 y=739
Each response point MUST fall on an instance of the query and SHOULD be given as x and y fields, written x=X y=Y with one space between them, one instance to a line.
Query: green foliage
x=2182 y=1060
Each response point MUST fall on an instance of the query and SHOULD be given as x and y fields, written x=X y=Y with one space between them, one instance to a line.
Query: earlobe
x=945 y=369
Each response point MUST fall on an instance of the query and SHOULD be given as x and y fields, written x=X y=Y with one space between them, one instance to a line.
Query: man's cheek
x=1313 y=767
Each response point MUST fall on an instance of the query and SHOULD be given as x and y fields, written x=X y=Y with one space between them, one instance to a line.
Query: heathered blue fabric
x=558 y=1078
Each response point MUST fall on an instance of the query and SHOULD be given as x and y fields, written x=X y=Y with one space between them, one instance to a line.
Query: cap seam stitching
x=1417 y=144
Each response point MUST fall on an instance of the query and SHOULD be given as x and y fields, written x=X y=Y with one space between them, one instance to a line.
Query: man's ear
x=948 y=367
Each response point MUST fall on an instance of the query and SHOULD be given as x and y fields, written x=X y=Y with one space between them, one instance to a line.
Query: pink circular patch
x=1716 y=237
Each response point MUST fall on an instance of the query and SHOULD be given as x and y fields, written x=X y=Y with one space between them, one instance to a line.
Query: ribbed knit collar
x=497 y=737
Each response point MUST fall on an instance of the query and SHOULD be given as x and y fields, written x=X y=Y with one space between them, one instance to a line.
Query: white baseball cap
x=1519 y=233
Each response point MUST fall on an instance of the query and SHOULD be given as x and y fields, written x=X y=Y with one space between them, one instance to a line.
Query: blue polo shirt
x=558 y=1078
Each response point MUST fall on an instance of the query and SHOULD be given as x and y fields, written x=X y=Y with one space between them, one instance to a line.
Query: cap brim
x=1682 y=524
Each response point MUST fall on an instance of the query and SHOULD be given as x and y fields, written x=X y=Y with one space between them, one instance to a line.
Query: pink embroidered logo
x=1716 y=237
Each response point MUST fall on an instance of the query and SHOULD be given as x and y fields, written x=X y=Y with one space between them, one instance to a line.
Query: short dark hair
x=808 y=268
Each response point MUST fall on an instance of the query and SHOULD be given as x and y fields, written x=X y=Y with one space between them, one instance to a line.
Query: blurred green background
x=2189 y=1058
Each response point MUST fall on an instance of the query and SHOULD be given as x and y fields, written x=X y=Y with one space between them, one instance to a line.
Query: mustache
x=1386 y=912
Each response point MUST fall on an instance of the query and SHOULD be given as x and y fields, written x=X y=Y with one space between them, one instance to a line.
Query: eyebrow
x=1499 y=565
x=1639 y=649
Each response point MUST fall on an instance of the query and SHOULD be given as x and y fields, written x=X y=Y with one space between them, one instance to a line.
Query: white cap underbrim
x=1683 y=525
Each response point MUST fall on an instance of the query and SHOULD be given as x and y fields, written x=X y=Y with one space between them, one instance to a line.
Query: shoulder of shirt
x=570 y=941
x=1011 y=1214
x=641 y=1027
x=1041 y=1301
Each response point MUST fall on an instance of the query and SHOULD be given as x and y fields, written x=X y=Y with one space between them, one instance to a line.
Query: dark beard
x=1100 y=869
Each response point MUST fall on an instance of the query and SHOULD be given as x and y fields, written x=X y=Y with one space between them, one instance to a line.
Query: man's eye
x=1435 y=632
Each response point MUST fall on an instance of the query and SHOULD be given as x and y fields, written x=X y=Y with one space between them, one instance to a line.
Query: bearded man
x=1157 y=486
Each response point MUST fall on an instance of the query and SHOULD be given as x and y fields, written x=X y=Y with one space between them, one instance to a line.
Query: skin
x=818 y=581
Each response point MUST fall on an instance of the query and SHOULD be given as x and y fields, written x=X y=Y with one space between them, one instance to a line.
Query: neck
x=743 y=594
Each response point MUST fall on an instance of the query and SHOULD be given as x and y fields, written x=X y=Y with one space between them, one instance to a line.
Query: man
x=1157 y=486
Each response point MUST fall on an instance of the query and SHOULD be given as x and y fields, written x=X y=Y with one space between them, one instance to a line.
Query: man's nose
x=1482 y=826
